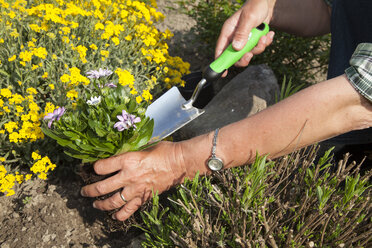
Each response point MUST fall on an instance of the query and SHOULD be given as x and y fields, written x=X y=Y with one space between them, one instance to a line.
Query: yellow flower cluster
x=74 y=79
x=42 y=166
x=47 y=47
x=125 y=77
x=7 y=180
x=22 y=115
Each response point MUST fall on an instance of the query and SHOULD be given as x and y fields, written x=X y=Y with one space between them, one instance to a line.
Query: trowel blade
x=169 y=115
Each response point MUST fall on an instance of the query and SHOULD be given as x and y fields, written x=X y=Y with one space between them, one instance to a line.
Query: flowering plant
x=105 y=121
x=48 y=49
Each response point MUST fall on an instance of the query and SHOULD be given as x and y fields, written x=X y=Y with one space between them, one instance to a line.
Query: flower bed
x=53 y=57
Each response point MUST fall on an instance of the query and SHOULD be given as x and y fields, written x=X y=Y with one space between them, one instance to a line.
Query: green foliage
x=26 y=200
x=291 y=202
x=287 y=89
x=46 y=49
x=300 y=59
x=87 y=132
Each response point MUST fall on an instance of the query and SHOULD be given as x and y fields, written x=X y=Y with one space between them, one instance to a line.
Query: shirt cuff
x=360 y=71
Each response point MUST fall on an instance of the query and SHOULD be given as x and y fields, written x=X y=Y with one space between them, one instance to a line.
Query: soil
x=52 y=213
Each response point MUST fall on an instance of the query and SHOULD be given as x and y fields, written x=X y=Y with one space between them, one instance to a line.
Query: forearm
x=304 y=18
x=319 y=112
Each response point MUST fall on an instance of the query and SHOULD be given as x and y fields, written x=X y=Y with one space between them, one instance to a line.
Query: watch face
x=215 y=164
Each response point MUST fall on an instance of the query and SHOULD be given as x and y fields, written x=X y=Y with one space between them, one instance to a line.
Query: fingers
x=108 y=165
x=244 y=27
x=104 y=187
x=113 y=202
x=264 y=42
x=134 y=198
x=226 y=35
x=128 y=209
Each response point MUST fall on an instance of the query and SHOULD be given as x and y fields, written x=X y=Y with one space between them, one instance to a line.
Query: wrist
x=195 y=153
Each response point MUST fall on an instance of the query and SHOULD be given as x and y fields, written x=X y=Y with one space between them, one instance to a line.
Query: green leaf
x=4 y=73
x=71 y=135
x=55 y=136
x=86 y=158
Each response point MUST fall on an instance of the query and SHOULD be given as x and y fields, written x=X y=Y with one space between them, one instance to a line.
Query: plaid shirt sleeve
x=360 y=71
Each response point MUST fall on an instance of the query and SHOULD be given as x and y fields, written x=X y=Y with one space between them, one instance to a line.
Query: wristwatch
x=215 y=163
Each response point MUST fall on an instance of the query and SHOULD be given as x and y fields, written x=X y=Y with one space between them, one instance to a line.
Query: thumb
x=242 y=31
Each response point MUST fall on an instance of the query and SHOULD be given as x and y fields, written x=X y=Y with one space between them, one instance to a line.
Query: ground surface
x=53 y=214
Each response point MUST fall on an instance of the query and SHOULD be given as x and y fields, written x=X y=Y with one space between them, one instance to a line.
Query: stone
x=246 y=94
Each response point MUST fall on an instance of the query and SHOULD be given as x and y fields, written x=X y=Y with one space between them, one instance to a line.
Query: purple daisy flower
x=98 y=74
x=56 y=115
x=126 y=121
x=111 y=85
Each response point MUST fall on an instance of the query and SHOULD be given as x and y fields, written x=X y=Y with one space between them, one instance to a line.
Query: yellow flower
x=2 y=159
x=34 y=67
x=14 y=34
x=45 y=75
x=125 y=77
x=40 y=52
x=66 y=30
x=128 y=38
x=116 y=40
x=35 y=27
x=35 y=156
x=72 y=94
x=19 y=178
x=31 y=91
x=12 y=58
x=26 y=56
x=14 y=137
x=93 y=46
x=65 y=39
x=99 y=26
x=5 y=92
x=146 y=95
x=1 y=41
x=6 y=109
x=138 y=99
x=74 y=25
x=133 y=92
x=19 y=109
x=31 y=44
x=105 y=53
x=65 y=78
x=49 y=108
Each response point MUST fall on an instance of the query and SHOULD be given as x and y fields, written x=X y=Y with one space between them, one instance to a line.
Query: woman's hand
x=236 y=29
x=139 y=174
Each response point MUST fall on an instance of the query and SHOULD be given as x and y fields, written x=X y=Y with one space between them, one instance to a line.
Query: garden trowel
x=172 y=111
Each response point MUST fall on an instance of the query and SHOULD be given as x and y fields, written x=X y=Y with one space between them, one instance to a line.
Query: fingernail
x=82 y=192
x=113 y=216
x=264 y=39
x=94 y=205
x=237 y=44
x=249 y=57
x=271 y=35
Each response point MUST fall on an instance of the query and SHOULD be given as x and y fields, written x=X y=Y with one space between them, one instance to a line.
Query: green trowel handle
x=230 y=56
